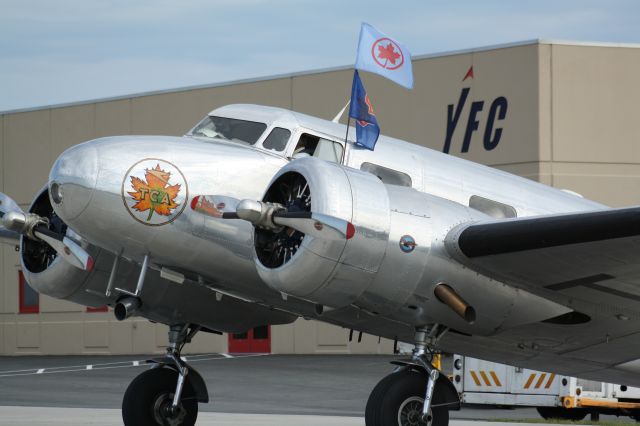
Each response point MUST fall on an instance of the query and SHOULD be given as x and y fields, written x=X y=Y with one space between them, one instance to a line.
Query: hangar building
x=561 y=113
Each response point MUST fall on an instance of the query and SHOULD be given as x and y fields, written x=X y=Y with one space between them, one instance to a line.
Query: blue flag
x=382 y=55
x=367 y=130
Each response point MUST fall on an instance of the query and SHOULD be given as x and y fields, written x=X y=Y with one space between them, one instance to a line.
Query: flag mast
x=346 y=135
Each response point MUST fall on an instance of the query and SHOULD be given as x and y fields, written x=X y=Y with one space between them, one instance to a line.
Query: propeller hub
x=23 y=223
x=259 y=213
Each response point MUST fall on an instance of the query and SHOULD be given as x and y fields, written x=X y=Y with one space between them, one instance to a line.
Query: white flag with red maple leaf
x=380 y=54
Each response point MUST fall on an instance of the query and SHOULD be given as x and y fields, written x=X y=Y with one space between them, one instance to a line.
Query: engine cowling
x=395 y=260
x=48 y=273
x=335 y=272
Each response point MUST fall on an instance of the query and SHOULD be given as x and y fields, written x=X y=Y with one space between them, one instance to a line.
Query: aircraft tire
x=397 y=400
x=150 y=392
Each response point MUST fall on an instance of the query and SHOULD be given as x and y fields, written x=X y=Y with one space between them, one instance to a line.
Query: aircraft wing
x=598 y=251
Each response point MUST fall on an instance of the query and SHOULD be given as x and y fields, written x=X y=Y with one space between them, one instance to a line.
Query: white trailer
x=555 y=396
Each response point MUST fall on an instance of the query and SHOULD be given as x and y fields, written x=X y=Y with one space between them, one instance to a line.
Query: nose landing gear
x=416 y=393
x=168 y=393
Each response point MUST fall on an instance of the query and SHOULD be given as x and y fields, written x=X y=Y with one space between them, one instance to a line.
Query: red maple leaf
x=389 y=53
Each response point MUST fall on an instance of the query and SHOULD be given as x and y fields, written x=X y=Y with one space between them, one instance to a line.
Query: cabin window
x=492 y=208
x=230 y=129
x=277 y=139
x=314 y=146
x=386 y=175
x=29 y=298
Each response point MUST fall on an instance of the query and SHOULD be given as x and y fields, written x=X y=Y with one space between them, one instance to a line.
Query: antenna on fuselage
x=336 y=119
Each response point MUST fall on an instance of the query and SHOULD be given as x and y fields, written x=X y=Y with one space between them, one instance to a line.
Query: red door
x=257 y=340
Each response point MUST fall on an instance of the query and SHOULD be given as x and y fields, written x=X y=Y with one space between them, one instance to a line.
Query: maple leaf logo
x=388 y=53
x=154 y=193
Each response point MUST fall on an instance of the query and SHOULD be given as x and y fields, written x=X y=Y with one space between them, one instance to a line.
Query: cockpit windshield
x=230 y=129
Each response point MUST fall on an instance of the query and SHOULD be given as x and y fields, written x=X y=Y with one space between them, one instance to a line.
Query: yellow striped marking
x=475 y=378
x=539 y=383
x=531 y=377
x=485 y=378
x=495 y=378
x=548 y=385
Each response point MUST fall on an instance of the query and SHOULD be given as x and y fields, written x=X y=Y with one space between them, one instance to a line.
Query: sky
x=62 y=51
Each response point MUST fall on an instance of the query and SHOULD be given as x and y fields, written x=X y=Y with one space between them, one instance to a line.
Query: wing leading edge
x=554 y=251
x=516 y=235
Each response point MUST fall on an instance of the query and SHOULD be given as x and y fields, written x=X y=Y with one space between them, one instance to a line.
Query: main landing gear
x=416 y=393
x=168 y=394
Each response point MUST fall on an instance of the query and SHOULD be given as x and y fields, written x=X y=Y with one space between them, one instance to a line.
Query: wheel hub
x=163 y=412
x=410 y=413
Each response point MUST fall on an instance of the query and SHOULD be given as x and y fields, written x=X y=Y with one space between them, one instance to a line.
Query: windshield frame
x=232 y=122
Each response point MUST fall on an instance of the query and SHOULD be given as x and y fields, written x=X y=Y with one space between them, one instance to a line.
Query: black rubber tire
x=561 y=413
x=391 y=392
x=143 y=392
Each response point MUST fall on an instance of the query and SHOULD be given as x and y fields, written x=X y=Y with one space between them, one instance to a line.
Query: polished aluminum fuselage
x=392 y=292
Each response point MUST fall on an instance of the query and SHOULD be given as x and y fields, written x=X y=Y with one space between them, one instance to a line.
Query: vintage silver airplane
x=260 y=215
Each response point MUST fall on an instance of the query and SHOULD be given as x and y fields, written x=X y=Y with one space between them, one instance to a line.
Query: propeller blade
x=215 y=206
x=315 y=224
x=66 y=248
x=271 y=216
x=7 y=205
x=16 y=222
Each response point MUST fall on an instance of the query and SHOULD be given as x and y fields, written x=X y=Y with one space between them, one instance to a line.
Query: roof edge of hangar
x=318 y=71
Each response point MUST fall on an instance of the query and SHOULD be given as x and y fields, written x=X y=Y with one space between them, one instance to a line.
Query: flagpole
x=346 y=137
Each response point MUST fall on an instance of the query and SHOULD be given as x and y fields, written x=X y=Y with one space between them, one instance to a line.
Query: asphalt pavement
x=291 y=385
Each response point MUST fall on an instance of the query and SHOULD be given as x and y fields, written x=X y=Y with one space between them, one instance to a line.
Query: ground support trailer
x=555 y=396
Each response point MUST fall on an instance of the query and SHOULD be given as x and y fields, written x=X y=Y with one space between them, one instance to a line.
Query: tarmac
x=283 y=390
x=41 y=416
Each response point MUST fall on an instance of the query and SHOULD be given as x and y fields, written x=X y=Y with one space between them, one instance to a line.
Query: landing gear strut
x=168 y=393
x=416 y=393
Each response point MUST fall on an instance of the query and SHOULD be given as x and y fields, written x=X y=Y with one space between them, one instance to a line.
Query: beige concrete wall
x=2 y=150
x=595 y=143
x=570 y=123
x=321 y=95
x=27 y=153
x=312 y=337
x=511 y=72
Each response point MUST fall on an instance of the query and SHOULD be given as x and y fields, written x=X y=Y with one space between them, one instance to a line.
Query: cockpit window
x=277 y=139
x=315 y=146
x=230 y=129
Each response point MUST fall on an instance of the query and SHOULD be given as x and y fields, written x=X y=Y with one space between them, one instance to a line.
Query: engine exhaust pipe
x=449 y=297
x=126 y=307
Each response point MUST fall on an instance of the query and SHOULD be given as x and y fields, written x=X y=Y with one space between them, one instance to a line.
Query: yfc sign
x=492 y=119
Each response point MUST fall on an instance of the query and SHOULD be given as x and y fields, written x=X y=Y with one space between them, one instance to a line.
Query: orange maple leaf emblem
x=389 y=53
x=154 y=193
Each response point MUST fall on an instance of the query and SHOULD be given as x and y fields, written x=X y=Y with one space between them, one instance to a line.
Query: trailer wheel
x=561 y=413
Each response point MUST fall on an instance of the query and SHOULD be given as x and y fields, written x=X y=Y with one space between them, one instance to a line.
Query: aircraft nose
x=73 y=179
